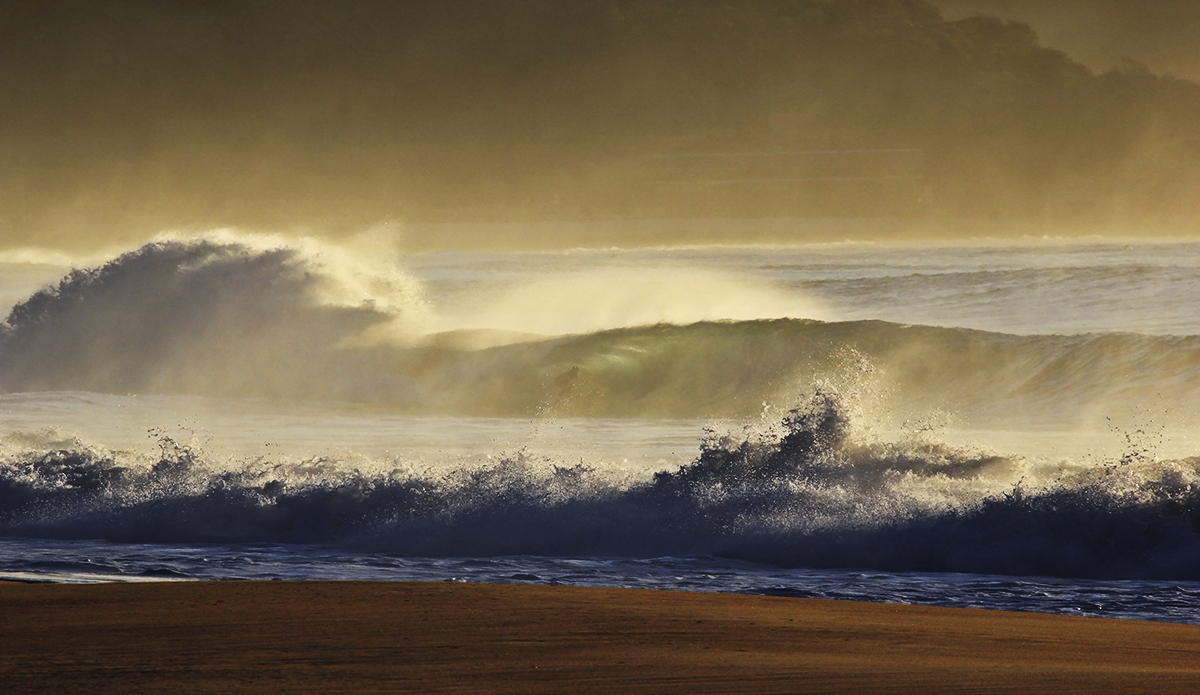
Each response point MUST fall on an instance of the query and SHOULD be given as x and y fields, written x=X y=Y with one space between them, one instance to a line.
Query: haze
x=446 y=118
x=1103 y=33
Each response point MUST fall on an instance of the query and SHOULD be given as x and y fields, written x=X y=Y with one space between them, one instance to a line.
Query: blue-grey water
x=1003 y=426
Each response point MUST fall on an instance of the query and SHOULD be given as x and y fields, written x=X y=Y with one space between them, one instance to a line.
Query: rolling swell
x=801 y=493
x=228 y=318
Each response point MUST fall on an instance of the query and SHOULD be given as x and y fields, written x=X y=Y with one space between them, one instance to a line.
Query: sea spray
x=804 y=494
x=247 y=317
x=201 y=316
x=584 y=301
x=377 y=447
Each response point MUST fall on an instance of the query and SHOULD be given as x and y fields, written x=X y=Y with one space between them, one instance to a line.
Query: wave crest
x=205 y=316
x=239 y=316
x=807 y=493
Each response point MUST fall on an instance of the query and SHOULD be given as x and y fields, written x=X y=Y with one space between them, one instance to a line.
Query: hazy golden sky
x=120 y=119
x=1163 y=34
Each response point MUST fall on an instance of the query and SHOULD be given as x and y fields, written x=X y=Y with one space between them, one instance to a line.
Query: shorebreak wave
x=801 y=493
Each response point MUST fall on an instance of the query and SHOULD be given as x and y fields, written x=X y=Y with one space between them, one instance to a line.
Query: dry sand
x=331 y=637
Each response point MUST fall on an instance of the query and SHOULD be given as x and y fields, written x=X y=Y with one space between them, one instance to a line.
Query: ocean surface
x=1003 y=425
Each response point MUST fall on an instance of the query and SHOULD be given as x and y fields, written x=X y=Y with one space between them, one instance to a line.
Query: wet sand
x=364 y=637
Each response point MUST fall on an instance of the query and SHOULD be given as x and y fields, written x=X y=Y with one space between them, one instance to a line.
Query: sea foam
x=802 y=492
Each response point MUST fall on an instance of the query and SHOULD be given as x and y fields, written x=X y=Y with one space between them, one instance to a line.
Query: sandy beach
x=300 y=637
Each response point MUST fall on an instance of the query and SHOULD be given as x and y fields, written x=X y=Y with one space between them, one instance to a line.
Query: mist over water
x=861 y=299
x=766 y=405
x=593 y=300
x=660 y=334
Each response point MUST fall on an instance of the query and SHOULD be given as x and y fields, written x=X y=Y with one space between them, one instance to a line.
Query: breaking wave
x=802 y=492
x=232 y=316
x=211 y=316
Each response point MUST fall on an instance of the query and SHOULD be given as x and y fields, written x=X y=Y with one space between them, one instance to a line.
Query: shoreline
x=355 y=637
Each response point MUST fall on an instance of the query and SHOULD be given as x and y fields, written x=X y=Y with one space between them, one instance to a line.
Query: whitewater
x=988 y=424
